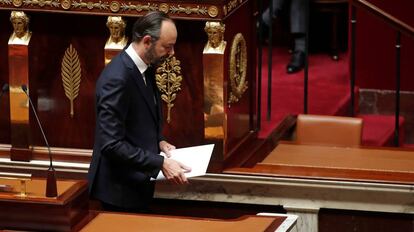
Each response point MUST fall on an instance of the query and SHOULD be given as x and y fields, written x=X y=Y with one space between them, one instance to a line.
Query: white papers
x=197 y=158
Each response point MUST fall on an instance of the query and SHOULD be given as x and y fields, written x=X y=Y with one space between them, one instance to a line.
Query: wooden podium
x=37 y=212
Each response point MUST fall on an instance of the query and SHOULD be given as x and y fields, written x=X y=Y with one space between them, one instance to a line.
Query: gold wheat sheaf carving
x=169 y=79
x=71 y=75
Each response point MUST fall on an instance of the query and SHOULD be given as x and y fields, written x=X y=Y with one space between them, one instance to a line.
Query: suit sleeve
x=112 y=108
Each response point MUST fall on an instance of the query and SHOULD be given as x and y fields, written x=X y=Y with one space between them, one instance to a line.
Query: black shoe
x=297 y=62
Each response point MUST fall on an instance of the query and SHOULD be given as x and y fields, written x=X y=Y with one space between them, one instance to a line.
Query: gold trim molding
x=238 y=68
x=5 y=2
x=71 y=75
x=213 y=11
x=189 y=10
x=17 y=3
x=201 y=10
x=40 y=3
x=164 y=7
x=90 y=5
x=139 y=7
x=231 y=5
x=168 y=77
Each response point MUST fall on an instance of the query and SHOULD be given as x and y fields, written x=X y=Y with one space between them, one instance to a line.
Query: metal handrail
x=384 y=16
x=401 y=28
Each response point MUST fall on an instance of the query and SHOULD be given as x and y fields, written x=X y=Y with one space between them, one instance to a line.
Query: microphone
x=4 y=89
x=51 y=190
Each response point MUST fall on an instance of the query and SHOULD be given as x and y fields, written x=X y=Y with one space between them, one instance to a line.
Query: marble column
x=307 y=218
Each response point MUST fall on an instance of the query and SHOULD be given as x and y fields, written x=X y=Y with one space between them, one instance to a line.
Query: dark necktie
x=148 y=83
x=144 y=77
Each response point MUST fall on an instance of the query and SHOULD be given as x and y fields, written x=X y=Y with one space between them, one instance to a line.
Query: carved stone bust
x=117 y=38
x=215 y=33
x=20 y=23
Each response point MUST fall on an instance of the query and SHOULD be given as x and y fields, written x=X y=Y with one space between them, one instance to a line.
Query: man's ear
x=147 y=40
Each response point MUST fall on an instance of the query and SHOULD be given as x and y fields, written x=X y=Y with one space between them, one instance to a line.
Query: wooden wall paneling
x=54 y=32
x=52 y=35
x=241 y=115
x=187 y=122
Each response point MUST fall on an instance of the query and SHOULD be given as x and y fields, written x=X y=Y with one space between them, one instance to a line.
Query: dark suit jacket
x=127 y=135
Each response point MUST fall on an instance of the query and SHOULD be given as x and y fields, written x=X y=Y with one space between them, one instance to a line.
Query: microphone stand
x=4 y=89
x=51 y=189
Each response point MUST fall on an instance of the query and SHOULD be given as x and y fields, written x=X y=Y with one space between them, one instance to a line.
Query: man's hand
x=166 y=147
x=174 y=171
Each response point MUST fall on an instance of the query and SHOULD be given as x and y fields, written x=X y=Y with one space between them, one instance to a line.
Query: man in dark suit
x=298 y=24
x=128 y=136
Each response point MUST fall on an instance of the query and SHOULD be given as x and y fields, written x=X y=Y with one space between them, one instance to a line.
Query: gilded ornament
x=42 y=3
x=138 y=7
x=114 y=6
x=21 y=34
x=71 y=75
x=117 y=39
x=213 y=11
x=17 y=3
x=231 y=5
x=188 y=10
x=169 y=78
x=89 y=5
x=238 y=68
x=66 y=4
x=215 y=34
x=5 y=2
x=164 y=7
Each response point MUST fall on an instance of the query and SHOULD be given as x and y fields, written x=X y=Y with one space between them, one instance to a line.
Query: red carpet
x=379 y=130
x=328 y=91
x=328 y=94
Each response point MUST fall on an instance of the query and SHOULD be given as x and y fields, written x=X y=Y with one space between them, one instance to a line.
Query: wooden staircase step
x=379 y=130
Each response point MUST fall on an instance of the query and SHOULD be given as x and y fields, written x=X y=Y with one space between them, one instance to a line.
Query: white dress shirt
x=141 y=65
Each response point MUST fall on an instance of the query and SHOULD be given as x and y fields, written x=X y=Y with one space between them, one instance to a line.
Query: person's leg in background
x=298 y=23
x=277 y=8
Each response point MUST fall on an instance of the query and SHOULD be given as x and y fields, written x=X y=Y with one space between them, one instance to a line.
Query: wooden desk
x=304 y=179
x=37 y=212
x=156 y=223
x=381 y=165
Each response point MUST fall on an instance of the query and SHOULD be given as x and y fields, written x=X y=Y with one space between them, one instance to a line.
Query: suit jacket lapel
x=139 y=81
x=152 y=85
